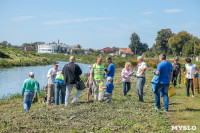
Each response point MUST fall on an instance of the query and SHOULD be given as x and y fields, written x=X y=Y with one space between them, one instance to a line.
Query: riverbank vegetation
x=125 y=114
x=10 y=57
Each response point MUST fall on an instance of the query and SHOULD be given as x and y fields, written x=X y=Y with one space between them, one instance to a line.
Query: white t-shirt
x=141 y=66
x=51 y=79
x=190 y=69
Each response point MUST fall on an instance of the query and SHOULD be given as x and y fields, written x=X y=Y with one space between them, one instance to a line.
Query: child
x=126 y=76
x=109 y=88
x=190 y=69
x=28 y=91
x=89 y=91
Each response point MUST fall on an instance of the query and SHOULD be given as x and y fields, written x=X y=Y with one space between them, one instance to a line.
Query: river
x=11 y=79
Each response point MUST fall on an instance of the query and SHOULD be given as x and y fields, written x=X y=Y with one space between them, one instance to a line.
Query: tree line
x=182 y=43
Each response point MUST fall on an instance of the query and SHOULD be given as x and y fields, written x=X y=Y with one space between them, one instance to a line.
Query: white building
x=48 y=48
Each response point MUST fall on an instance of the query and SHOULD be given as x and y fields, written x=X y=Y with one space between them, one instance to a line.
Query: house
x=48 y=48
x=125 y=52
x=107 y=50
x=28 y=48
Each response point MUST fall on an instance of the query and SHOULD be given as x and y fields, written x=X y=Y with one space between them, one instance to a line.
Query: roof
x=107 y=49
x=125 y=50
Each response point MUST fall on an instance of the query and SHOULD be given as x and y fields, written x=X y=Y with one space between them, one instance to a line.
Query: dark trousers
x=189 y=84
x=174 y=80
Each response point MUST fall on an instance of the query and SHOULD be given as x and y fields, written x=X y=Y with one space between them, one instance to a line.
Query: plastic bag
x=171 y=90
x=185 y=79
x=101 y=90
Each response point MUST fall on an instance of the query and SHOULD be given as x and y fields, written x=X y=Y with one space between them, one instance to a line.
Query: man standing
x=51 y=83
x=110 y=71
x=176 y=71
x=164 y=69
x=71 y=74
x=141 y=74
x=97 y=74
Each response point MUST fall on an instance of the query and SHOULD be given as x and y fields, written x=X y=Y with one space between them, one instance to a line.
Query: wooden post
x=194 y=83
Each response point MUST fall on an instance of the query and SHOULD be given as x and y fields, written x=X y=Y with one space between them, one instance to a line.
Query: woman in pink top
x=126 y=74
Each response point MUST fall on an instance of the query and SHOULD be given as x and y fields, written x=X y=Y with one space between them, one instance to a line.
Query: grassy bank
x=15 y=57
x=125 y=114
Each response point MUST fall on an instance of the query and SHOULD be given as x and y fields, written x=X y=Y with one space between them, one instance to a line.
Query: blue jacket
x=155 y=81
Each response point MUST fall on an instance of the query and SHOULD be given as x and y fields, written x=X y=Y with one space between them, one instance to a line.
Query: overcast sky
x=95 y=23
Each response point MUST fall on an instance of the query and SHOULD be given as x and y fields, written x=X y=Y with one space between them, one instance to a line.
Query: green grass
x=10 y=57
x=125 y=114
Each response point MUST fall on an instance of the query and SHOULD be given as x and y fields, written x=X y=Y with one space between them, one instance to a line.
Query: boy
x=190 y=69
x=109 y=88
x=89 y=91
x=28 y=91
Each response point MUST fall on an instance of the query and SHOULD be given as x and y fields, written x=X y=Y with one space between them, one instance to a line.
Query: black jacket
x=71 y=73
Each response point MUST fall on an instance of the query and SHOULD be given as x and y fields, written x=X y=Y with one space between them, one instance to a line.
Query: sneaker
x=75 y=103
x=192 y=95
x=165 y=110
x=157 y=109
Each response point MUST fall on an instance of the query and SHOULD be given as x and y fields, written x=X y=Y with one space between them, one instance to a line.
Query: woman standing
x=126 y=75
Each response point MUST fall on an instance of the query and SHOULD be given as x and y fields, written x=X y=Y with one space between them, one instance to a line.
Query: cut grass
x=125 y=114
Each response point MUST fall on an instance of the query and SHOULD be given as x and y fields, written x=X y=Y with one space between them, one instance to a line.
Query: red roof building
x=107 y=50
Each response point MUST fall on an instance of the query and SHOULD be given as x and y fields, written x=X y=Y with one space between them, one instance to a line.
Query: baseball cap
x=109 y=78
x=56 y=63
x=31 y=74
x=176 y=59
x=90 y=65
x=188 y=60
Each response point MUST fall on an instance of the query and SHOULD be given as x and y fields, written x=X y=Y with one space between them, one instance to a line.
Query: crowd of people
x=100 y=81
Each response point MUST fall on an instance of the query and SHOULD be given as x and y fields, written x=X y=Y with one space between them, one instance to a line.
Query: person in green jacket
x=28 y=91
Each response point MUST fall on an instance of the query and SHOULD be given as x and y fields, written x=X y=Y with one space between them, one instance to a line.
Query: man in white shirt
x=51 y=83
x=190 y=69
x=141 y=74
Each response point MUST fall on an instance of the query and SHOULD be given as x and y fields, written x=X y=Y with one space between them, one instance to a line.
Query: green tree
x=162 y=38
x=5 y=44
x=176 y=42
x=136 y=46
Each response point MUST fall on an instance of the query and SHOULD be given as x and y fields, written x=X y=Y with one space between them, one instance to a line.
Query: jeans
x=59 y=88
x=174 y=79
x=68 y=92
x=28 y=96
x=127 y=87
x=107 y=97
x=164 y=89
x=140 y=86
x=189 y=84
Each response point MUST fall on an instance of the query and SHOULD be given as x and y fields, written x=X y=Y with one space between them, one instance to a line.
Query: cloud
x=147 y=13
x=22 y=18
x=173 y=10
x=77 y=20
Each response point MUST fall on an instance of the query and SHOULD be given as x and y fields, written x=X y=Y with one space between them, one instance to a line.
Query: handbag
x=80 y=85
x=171 y=90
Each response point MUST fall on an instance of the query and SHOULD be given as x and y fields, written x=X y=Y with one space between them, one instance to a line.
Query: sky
x=95 y=23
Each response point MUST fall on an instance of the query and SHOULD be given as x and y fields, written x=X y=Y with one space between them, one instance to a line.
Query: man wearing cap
x=71 y=74
x=176 y=71
x=51 y=83
x=141 y=74
x=28 y=91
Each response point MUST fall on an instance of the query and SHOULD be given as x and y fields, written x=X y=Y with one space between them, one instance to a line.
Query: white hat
x=140 y=57
x=31 y=74
x=109 y=78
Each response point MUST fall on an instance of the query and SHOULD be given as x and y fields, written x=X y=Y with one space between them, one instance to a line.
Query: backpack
x=176 y=68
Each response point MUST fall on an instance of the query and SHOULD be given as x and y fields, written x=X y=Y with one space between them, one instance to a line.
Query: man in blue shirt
x=165 y=70
x=110 y=71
